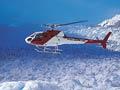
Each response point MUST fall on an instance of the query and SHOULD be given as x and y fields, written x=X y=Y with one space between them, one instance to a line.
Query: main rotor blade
x=82 y=21
x=56 y=25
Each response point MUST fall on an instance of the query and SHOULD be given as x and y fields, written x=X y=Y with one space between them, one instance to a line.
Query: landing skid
x=54 y=50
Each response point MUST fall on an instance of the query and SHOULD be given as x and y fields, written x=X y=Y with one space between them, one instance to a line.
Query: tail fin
x=104 y=42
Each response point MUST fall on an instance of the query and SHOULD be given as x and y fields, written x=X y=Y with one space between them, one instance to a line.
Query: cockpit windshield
x=32 y=35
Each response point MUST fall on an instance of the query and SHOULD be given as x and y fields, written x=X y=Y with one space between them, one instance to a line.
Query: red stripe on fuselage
x=94 y=41
x=46 y=36
x=83 y=39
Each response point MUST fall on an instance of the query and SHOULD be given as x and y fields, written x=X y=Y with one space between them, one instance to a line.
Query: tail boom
x=102 y=42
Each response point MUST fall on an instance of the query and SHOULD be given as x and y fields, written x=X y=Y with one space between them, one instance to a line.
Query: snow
x=99 y=32
x=79 y=67
x=115 y=21
x=85 y=74
x=28 y=85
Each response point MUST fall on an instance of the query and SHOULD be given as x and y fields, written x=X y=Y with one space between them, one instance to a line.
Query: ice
x=11 y=86
x=28 y=85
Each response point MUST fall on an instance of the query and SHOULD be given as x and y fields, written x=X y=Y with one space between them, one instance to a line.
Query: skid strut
x=54 y=50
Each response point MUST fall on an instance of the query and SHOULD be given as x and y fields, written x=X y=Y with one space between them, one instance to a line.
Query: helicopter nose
x=28 y=40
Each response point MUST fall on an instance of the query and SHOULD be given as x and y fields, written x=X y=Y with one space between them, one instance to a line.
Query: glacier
x=79 y=67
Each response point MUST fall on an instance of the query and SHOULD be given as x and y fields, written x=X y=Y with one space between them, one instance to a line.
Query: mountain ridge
x=112 y=22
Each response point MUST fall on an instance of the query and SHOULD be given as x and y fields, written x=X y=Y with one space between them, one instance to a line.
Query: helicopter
x=50 y=40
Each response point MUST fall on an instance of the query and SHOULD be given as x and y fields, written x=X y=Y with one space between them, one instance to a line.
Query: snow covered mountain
x=99 y=32
x=61 y=74
x=113 y=22
x=79 y=67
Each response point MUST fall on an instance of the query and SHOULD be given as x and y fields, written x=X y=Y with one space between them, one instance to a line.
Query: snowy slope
x=90 y=74
x=99 y=32
x=79 y=67
x=113 y=22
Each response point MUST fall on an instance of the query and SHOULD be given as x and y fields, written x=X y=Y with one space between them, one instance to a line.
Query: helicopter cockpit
x=35 y=35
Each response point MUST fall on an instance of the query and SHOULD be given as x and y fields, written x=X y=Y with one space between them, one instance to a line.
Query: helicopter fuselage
x=52 y=38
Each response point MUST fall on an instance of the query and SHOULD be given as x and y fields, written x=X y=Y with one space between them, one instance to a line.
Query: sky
x=56 y=11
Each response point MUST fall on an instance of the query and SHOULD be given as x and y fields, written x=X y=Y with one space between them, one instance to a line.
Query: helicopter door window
x=39 y=35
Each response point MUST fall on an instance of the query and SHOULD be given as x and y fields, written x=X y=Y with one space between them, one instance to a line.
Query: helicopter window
x=39 y=35
x=32 y=35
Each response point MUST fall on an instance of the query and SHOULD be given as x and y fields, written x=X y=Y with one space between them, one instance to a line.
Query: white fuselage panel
x=60 y=40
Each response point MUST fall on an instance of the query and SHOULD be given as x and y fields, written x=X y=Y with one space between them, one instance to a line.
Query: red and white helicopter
x=49 y=40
